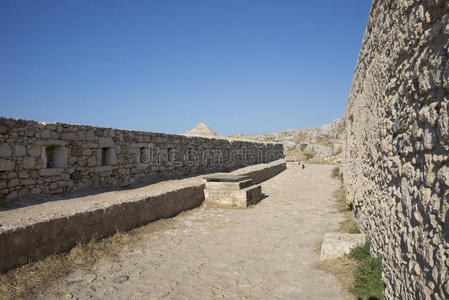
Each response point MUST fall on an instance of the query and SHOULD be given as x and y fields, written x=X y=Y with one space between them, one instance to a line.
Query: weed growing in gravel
x=368 y=282
x=337 y=174
x=309 y=155
x=354 y=229
x=361 y=252
x=343 y=204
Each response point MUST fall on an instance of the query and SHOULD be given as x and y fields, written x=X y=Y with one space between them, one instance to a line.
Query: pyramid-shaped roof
x=201 y=130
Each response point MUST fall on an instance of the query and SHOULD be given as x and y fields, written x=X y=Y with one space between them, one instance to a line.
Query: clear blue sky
x=239 y=66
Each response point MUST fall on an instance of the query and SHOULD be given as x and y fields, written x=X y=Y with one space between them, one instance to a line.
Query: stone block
x=35 y=150
x=45 y=134
x=19 y=150
x=7 y=165
x=231 y=190
x=336 y=244
x=28 y=182
x=105 y=142
x=443 y=175
x=5 y=150
x=76 y=175
x=77 y=150
x=12 y=175
x=228 y=185
x=13 y=183
x=12 y=195
x=36 y=191
x=51 y=126
x=51 y=172
x=103 y=169
x=90 y=135
x=92 y=161
x=69 y=136
x=24 y=174
x=52 y=142
x=81 y=136
x=29 y=163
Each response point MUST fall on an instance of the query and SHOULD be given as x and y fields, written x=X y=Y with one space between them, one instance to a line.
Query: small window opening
x=143 y=155
x=106 y=156
x=54 y=157
x=50 y=153
x=169 y=154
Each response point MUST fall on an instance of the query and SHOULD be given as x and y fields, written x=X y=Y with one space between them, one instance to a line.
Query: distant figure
x=303 y=166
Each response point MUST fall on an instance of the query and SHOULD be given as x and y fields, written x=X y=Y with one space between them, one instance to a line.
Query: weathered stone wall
x=396 y=158
x=39 y=159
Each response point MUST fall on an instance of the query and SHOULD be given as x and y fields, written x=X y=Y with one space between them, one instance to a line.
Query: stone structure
x=31 y=232
x=396 y=158
x=336 y=244
x=201 y=130
x=39 y=159
x=232 y=190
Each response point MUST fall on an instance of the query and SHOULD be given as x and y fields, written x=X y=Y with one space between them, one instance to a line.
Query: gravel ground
x=269 y=251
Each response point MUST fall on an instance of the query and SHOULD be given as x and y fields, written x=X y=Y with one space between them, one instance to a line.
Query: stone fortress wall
x=396 y=157
x=38 y=159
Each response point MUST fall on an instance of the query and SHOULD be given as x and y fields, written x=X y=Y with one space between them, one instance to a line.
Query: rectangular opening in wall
x=169 y=154
x=143 y=155
x=106 y=156
x=54 y=157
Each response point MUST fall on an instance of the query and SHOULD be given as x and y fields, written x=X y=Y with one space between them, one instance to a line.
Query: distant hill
x=319 y=144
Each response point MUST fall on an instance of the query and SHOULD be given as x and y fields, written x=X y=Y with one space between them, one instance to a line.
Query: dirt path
x=269 y=251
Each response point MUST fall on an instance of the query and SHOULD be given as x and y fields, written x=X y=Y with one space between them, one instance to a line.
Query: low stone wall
x=38 y=159
x=22 y=245
x=396 y=157
x=69 y=221
x=259 y=173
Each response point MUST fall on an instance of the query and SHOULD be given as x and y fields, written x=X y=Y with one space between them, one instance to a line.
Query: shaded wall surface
x=38 y=159
x=396 y=158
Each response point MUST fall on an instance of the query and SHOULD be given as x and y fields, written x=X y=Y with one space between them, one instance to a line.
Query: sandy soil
x=269 y=251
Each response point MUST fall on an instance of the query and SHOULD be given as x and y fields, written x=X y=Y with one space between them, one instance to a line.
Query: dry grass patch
x=359 y=273
x=29 y=281
x=302 y=157
x=342 y=268
x=349 y=225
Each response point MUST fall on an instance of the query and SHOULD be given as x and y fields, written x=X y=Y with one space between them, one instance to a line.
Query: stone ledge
x=51 y=172
x=262 y=172
x=33 y=232
x=234 y=198
x=336 y=244
x=229 y=185
x=101 y=169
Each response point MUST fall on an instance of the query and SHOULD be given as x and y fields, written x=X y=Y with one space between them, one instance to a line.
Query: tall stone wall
x=396 y=158
x=38 y=159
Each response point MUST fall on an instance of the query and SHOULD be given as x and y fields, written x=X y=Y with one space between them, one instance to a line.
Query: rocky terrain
x=319 y=144
x=322 y=144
